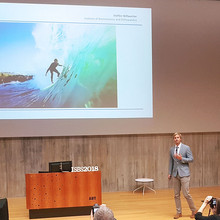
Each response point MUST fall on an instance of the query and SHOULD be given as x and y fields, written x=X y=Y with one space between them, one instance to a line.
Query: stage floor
x=130 y=206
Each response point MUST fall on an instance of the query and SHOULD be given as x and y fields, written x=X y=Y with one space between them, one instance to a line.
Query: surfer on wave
x=52 y=69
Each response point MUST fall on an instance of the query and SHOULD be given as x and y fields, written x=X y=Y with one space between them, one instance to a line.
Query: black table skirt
x=4 y=209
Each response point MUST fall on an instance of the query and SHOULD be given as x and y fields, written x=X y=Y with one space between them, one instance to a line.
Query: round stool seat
x=144 y=180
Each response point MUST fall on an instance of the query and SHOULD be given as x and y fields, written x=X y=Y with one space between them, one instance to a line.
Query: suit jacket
x=180 y=167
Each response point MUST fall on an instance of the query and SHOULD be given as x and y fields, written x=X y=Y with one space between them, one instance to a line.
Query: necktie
x=177 y=150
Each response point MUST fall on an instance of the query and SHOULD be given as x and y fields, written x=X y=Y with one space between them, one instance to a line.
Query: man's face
x=177 y=139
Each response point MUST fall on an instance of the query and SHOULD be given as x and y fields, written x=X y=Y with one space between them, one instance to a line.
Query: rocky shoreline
x=8 y=77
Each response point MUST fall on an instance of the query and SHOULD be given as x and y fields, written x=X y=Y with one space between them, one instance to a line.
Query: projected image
x=57 y=65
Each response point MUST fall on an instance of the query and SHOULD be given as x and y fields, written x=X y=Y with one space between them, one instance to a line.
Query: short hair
x=177 y=133
x=104 y=213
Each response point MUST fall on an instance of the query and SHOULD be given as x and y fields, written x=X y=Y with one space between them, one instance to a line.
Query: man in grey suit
x=180 y=157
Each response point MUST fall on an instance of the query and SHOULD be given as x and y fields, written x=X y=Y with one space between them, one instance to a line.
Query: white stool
x=145 y=181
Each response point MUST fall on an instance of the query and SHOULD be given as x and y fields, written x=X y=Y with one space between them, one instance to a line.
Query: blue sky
x=16 y=46
x=15 y=33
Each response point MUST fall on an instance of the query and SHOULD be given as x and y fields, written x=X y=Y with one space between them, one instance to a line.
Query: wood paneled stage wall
x=121 y=159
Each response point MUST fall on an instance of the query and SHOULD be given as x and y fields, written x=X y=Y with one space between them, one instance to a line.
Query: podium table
x=62 y=194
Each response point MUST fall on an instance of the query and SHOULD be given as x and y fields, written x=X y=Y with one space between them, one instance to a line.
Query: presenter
x=180 y=157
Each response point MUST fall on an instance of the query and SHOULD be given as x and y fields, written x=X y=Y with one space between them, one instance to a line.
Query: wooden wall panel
x=15 y=167
x=3 y=169
x=102 y=153
x=33 y=155
x=163 y=143
x=124 y=162
x=121 y=159
x=211 y=155
x=76 y=145
x=55 y=149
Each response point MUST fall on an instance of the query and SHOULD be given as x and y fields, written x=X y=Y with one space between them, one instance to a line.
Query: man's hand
x=169 y=177
x=178 y=156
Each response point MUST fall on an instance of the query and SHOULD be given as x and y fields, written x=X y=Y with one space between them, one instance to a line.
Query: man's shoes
x=193 y=214
x=178 y=215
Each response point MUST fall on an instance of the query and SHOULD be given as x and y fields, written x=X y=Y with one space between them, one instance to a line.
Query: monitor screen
x=61 y=166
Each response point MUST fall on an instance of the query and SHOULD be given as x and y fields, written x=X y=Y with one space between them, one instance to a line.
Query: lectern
x=62 y=194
